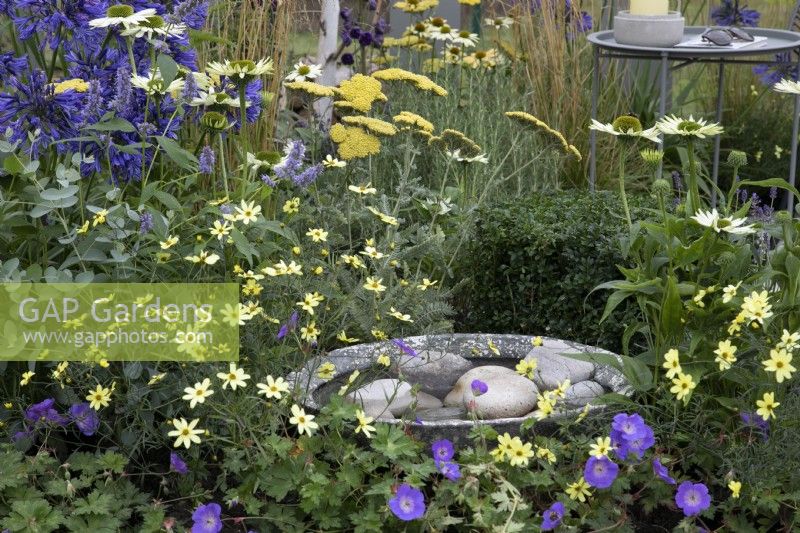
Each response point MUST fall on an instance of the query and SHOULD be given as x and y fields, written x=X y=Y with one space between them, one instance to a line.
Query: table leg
x=718 y=138
x=593 y=133
x=793 y=163
x=662 y=102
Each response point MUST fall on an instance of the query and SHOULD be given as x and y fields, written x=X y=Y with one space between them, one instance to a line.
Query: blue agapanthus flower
x=729 y=13
x=193 y=13
x=53 y=18
x=10 y=65
x=33 y=107
x=786 y=68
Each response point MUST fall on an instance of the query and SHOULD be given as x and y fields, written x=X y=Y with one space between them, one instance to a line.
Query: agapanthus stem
x=622 y=194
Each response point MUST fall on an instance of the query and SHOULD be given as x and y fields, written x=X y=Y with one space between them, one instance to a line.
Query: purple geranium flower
x=177 y=464
x=43 y=412
x=408 y=503
x=288 y=326
x=662 y=472
x=442 y=450
x=552 y=517
x=450 y=470
x=629 y=427
x=754 y=421
x=692 y=498
x=600 y=472
x=479 y=387
x=206 y=519
x=85 y=418
x=405 y=348
x=625 y=447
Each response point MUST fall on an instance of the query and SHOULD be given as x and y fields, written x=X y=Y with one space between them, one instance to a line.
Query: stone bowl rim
x=307 y=375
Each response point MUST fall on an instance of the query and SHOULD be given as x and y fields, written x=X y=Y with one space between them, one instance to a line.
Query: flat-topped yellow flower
x=780 y=362
x=407 y=118
x=312 y=88
x=185 y=432
x=453 y=140
x=353 y=142
x=75 y=84
x=359 y=93
x=372 y=125
x=416 y=6
x=419 y=81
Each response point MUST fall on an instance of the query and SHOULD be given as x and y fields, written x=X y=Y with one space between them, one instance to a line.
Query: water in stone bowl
x=425 y=383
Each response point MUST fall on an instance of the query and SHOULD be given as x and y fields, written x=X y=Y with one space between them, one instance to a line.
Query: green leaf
x=183 y=158
x=771 y=182
x=13 y=165
x=113 y=124
x=167 y=67
x=672 y=310
x=243 y=245
x=169 y=201
x=33 y=516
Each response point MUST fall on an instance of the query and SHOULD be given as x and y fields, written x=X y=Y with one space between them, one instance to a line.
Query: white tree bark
x=326 y=56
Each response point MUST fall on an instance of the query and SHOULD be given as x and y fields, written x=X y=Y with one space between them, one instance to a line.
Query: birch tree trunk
x=326 y=56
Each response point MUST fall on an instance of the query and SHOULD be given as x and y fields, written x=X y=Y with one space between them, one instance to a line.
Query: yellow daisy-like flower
x=399 y=316
x=317 y=234
x=735 y=487
x=725 y=354
x=291 y=206
x=682 y=385
x=419 y=81
x=342 y=336
x=235 y=377
x=756 y=307
x=354 y=142
x=601 y=447
x=305 y=423
x=157 y=378
x=374 y=284
x=672 y=363
x=273 y=388
x=579 y=490
x=99 y=217
x=546 y=454
x=520 y=453
x=426 y=284
x=310 y=332
x=350 y=380
x=729 y=292
x=383 y=359
x=310 y=301
x=83 y=229
x=353 y=261
x=364 y=424
x=545 y=406
x=504 y=445
x=186 y=432
x=537 y=341
x=386 y=219
x=26 y=378
x=99 y=397
x=780 y=362
x=326 y=370
x=789 y=341
x=359 y=93
x=378 y=334
x=363 y=189
x=198 y=393
x=766 y=406
x=204 y=258
x=526 y=368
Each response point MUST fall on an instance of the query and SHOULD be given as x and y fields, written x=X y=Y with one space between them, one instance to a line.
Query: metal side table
x=777 y=41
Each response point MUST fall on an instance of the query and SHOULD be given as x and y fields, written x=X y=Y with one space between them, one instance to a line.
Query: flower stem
x=222 y=163
x=693 y=194
x=622 y=194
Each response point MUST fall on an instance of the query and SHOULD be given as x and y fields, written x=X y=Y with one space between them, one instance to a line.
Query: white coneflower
x=787 y=86
x=304 y=72
x=242 y=69
x=154 y=25
x=626 y=127
x=690 y=127
x=457 y=156
x=122 y=15
x=712 y=219
x=153 y=83
x=466 y=39
x=442 y=33
x=500 y=22
x=212 y=98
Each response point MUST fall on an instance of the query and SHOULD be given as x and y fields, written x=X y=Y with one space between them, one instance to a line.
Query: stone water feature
x=431 y=392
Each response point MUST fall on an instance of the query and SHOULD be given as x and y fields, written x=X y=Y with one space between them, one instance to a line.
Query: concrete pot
x=651 y=31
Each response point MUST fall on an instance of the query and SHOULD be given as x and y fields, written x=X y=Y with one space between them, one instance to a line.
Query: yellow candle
x=649 y=7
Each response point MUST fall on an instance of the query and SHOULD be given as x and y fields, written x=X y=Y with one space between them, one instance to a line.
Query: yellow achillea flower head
x=372 y=125
x=452 y=140
x=314 y=89
x=416 y=6
x=75 y=84
x=406 y=41
x=354 y=142
x=421 y=82
x=359 y=93
x=528 y=120
x=412 y=119
x=469 y=2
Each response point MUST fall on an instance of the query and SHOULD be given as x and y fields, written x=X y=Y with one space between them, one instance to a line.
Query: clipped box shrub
x=534 y=261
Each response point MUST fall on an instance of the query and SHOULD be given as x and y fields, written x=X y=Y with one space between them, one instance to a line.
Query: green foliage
x=533 y=264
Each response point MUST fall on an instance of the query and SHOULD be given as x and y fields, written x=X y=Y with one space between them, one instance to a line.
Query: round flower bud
x=214 y=121
x=119 y=11
x=661 y=187
x=627 y=123
x=782 y=217
x=652 y=158
x=726 y=258
x=737 y=159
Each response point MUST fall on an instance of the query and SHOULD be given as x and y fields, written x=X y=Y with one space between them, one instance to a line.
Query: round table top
x=777 y=41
